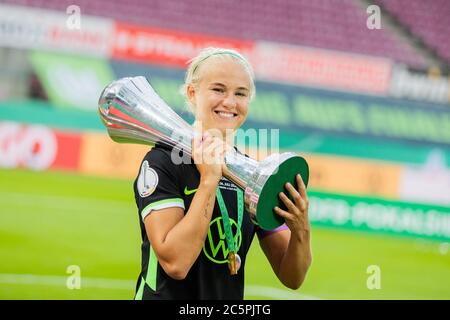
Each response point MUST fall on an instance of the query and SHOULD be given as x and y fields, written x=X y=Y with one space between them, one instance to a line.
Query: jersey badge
x=147 y=181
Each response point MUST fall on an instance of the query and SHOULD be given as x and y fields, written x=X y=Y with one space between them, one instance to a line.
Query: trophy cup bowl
x=133 y=112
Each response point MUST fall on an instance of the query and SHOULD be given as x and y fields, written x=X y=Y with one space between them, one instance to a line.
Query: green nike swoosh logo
x=188 y=192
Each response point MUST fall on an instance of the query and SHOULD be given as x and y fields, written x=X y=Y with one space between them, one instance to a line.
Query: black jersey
x=161 y=184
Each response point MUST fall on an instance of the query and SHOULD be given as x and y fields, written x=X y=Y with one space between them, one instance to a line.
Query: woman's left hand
x=296 y=216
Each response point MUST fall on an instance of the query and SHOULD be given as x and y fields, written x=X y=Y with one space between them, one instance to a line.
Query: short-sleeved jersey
x=161 y=183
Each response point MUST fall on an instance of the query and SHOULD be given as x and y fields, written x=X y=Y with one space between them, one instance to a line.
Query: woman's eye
x=218 y=90
x=241 y=94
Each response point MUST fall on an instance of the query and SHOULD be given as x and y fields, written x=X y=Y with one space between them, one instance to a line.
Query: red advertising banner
x=271 y=61
x=321 y=68
x=38 y=147
x=68 y=155
x=167 y=47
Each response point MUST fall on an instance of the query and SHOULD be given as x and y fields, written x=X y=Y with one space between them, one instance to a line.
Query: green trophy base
x=269 y=198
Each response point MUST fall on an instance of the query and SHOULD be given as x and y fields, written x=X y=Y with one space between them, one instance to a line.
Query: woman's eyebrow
x=222 y=85
x=218 y=84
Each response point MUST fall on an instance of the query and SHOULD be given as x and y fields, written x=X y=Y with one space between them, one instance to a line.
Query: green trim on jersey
x=152 y=269
x=141 y=290
x=150 y=278
x=162 y=204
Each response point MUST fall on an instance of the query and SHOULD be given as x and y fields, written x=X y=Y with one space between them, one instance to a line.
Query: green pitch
x=50 y=221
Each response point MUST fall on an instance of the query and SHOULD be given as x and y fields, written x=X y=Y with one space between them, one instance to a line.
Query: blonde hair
x=192 y=75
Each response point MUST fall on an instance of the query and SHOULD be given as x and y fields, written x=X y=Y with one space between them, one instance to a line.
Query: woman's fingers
x=213 y=151
x=300 y=199
x=296 y=213
x=301 y=187
x=299 y=202
x=283 y=213
x=288 y=203
x=208 y=150
x=302 y=191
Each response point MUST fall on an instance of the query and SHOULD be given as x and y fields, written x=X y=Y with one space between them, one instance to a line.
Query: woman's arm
x=178 y=238
x=290 y=259
x=289 y=251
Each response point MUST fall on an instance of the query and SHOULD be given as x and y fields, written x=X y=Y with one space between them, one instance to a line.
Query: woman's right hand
x=208 y=153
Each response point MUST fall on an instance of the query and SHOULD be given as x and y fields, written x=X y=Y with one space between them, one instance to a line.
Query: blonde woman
x=195 y=232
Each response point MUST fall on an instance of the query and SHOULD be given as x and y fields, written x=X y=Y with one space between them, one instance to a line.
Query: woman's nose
x=230 y=101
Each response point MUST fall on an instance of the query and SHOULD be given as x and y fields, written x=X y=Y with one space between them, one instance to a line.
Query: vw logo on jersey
x=147 y=181
x=215 y=247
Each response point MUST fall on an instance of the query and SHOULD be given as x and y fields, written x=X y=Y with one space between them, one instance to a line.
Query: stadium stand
x=302 y=22
x=429 y=20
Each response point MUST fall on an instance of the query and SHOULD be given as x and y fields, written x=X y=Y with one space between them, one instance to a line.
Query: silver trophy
x=133 y=112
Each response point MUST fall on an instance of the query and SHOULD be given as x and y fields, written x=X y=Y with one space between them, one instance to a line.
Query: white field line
x=109 y=283
x=51 y=280
x=275 y=293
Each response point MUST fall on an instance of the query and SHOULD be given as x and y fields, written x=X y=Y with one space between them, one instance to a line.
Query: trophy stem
x=239 y=168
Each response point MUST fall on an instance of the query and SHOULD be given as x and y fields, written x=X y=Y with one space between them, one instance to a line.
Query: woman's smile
x=225 y=115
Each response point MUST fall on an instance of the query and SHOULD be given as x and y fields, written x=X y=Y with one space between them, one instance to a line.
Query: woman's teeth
x=225 y=114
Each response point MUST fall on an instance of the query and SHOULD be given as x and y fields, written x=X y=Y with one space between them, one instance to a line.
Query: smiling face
x=222 y=94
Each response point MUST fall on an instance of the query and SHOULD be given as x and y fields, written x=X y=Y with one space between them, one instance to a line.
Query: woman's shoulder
x=161 y=156
x=158 y=153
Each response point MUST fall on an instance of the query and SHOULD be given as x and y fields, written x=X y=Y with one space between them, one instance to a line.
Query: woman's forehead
x=224 y=69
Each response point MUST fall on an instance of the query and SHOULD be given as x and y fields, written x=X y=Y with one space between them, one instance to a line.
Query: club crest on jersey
x=147 y=181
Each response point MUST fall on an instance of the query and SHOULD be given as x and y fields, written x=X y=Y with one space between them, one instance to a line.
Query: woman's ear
x=190 y=93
